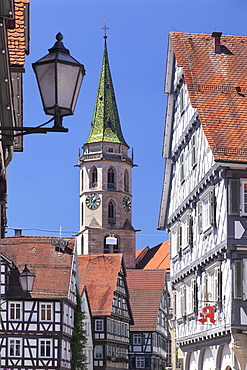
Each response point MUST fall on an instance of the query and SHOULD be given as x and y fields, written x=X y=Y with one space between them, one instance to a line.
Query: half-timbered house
x=105 y=279
x=149 y=336
x=36 y=327
x=203 y=205
x=88 y=350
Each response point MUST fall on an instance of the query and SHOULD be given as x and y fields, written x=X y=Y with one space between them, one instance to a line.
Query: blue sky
x=43 y=184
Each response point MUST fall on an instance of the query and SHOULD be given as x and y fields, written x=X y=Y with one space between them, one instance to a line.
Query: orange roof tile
x=145 y=289
x=212 y=80
x=17 y=37
x=155 y=258
x=52 y=269
x=99 y=273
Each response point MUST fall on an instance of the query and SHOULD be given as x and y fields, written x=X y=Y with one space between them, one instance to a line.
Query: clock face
x=93 y=201
x=127 y=203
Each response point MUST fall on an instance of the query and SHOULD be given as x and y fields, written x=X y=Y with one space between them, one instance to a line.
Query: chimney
x=18 y=232
x=216 y=36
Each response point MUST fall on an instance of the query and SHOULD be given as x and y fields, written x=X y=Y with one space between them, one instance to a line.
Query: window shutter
x=190 y=230
x=194 y=297
x=218 y=285
x=132 y=363
x=182 y=167
x=178 y=237
x=147 y=362
x=211 y=207
x=184 y=301
x=205 y=287
x=234 y=196
x=199 y=216
x=131 y=338
x=238 y=280
x=193 y=150
x=143 y=339
x=175 y=305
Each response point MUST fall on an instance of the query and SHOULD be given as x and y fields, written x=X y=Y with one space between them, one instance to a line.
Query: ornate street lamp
x=59 y=78
x=26 y=279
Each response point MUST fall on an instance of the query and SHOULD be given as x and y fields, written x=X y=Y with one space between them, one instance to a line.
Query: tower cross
x=105 y=28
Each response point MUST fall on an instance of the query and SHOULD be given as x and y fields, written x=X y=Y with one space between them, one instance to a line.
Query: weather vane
x=105 y=28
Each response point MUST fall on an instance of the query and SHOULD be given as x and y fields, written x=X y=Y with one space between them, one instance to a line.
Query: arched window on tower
x=106 y=245
x=111 y=178
x=111 y=212
x=116 y=248
x=93 y=177
x=126 y=181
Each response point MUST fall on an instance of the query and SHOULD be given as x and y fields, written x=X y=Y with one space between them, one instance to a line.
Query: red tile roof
x=212 y=80
x=145 y=289
x=52 y=269
x=99 y=273
x=154 y=258
x=18 y=38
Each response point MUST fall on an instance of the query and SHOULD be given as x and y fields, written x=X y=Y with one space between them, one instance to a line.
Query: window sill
x=207 y=231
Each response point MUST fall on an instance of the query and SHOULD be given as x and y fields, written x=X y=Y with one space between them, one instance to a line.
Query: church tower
x=106 y=180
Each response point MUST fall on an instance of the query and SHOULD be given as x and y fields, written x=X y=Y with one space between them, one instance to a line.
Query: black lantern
x=26 y=279
x=59 y=78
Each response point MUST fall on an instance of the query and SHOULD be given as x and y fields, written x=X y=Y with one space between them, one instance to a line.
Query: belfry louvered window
x=111 y=178
x=93 y=177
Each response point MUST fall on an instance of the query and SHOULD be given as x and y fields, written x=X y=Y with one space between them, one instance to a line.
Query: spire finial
x=105 y=29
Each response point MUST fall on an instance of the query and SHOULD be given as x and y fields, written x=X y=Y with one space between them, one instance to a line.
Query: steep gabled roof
x=155 y=258
x=99 y=273
x=52 y=269
x=217 y=86
x=18 y=38
x=106 y=124
x=145 y=289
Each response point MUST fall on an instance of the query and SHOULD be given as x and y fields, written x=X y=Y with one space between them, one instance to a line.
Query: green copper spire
x=106 y=124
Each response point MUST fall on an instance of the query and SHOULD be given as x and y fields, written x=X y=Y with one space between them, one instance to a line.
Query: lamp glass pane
x=46 y=79
x=77 y=90
x=67 y=79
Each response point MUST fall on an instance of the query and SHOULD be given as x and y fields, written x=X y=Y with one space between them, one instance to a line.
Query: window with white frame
x=173 y=241
x=15 y=347
x=137 y=339
x=45 y=348
x=186 y=230
x=99 y=325
x=212 y=284
x=45 y=311
x=140 y=362
x=206 y=211
x=189 y=298
x=98 y=352
x=15 y=311
x=243 y=197
x=182 y=99
x=193 y=150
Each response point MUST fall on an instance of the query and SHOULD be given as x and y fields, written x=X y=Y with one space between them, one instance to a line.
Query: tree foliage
x=79 y=338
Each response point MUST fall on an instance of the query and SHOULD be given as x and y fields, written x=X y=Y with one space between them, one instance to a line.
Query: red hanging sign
x=207 y=313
